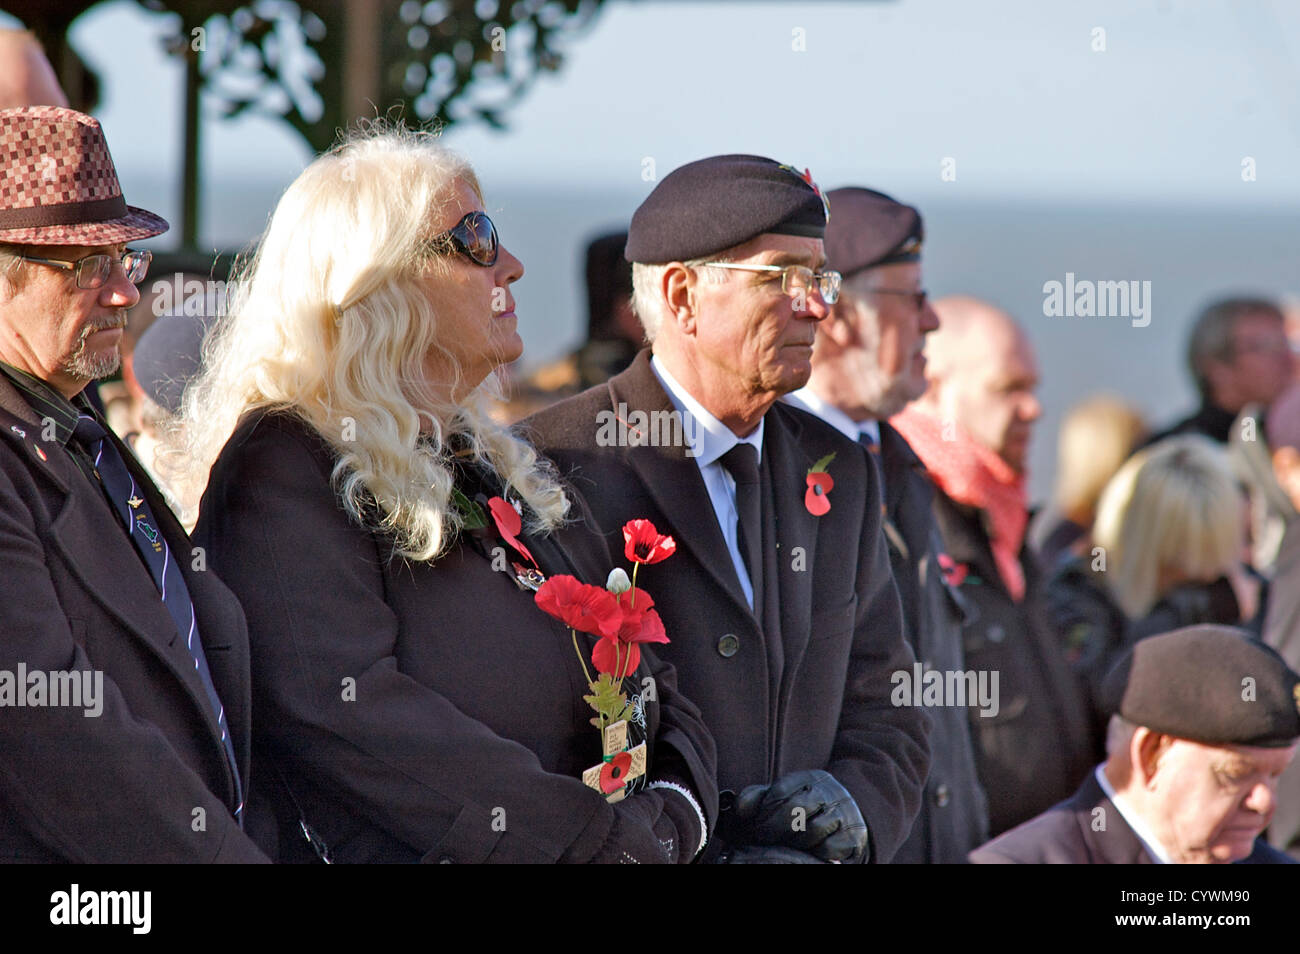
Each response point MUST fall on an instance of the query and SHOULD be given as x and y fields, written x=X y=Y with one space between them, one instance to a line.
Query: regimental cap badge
x=806 y=176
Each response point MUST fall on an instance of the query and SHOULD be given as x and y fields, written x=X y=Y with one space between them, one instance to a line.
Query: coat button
x=942 y=795
x=996 y=633
x=446 y=860
x=728 y=646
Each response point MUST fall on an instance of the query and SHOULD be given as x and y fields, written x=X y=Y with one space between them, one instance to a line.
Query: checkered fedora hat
x=58 y=185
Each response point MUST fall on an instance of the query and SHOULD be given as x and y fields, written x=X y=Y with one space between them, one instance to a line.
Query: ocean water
x=1002 y=251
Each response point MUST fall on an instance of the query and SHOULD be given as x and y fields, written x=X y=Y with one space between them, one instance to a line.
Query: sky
x=1114 y=100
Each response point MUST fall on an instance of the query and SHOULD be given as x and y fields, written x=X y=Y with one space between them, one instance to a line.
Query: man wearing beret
x=1204 y=721
x=123 y=664
x=868 y=364
x=783 y=616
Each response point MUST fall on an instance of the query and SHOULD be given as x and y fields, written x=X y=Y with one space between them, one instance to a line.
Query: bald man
x=26 y=77
x=971 y=428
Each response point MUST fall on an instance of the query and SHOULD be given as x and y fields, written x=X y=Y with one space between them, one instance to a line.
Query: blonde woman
x=1096 y=437
x=1167 y=549
x=411 y=702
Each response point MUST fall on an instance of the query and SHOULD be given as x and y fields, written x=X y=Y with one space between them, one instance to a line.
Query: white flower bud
x=618 y=581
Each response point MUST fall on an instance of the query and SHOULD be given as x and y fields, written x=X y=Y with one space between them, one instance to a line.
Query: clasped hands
x=805 y=817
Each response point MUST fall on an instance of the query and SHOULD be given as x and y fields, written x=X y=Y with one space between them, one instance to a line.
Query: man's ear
x=677 y=286
x=1144 y=750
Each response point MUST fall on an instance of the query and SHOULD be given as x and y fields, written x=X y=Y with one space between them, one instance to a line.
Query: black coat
x=954 y=810
x=816 y=695
x=1095 y=633
x=1034 y=751
x=1086 y=829
x=147 y=780
x=428 y=711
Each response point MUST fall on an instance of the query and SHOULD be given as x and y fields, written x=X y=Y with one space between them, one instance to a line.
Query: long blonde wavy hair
x=330 y=323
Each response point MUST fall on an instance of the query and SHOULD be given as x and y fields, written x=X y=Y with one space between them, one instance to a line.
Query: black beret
x=870 y=229
x=720 y=202
x=1192 y=683
x=167 y=357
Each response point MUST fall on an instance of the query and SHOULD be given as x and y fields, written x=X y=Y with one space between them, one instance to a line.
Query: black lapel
x=795 y=528
x=1106 y=833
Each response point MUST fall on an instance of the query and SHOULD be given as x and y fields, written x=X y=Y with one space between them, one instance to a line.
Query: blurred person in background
x=414 y=702
x=1096 y=437
x=26 y=77
x=1263 y=452
x=167 y=358
x=614 y=336
x=1238 y=353
x=1192 y=762
x=972 y=429
x=1268 y=451
x=868 y=364
x=1168 y=544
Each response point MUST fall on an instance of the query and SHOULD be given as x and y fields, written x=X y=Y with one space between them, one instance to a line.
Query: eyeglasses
x=795 y=279
x=93 y=270
x=918 y=297
x=474 y=236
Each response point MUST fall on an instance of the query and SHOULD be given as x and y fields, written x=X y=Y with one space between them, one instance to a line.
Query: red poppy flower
x=641 y=624
x=613 y=657
x=953 y=571
x=508 y=524
x=645 y=544
x=586 y=608
x=613 y=774
x=815 y=499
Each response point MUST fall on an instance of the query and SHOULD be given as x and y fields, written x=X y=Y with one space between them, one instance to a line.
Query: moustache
x=104 y=324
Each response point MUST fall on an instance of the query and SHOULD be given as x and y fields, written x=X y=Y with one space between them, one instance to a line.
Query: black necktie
x=143 y=529
x=742 y=463
x=873 y=446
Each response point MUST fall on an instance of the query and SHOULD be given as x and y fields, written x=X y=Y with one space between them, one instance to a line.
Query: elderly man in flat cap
x=868 y=364
x=124 y=665
x=1204 y=720
x=783 y=615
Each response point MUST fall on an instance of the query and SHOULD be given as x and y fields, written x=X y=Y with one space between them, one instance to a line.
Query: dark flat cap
x=869 y=229
x=1210 y=684
x=720 y=202
x=167 y=357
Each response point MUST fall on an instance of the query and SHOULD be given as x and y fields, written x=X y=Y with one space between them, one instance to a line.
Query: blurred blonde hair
x=330 y=322
x=1096 y=437
x=1172 y=507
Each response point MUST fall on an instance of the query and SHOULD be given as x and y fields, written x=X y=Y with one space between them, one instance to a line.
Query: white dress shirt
x=1149 y=841
x=710 y=439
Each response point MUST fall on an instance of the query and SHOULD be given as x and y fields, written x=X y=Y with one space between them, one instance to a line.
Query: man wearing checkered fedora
x=124 y=691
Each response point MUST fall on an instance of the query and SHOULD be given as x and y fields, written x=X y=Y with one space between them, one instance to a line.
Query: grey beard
x=91 y=367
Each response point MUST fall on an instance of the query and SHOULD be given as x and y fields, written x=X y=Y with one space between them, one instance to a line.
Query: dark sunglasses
x=475 y=236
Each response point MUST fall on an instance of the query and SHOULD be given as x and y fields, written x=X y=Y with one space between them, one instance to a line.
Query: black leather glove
x=808 y=810
x=766 y=855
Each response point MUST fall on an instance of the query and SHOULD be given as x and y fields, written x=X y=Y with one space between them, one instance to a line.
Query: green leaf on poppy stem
x=471 y=514
x=606 y=699
x=821 y=465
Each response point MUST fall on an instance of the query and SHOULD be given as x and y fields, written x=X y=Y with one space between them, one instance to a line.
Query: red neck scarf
x=977 y=477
